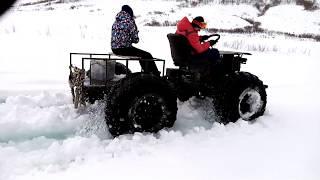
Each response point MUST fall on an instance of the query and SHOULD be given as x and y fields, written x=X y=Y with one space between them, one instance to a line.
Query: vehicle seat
x=181 y=50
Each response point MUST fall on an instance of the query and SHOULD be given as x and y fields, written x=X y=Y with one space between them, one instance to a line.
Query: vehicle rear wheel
x=140 y=103
x=121 y=69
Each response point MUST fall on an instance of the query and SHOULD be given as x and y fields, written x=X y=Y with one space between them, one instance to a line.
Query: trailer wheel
x=243 y=96
x=140 y=103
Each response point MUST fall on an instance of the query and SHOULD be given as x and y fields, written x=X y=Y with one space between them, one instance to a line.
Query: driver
x=201 y=47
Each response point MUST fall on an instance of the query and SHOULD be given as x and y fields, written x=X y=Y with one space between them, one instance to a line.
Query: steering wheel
x=215 y=35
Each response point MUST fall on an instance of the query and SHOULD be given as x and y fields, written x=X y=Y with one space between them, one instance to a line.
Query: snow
x=43 y=137
x=294 y=19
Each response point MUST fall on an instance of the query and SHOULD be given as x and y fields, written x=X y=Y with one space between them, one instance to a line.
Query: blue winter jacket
x=124 y=31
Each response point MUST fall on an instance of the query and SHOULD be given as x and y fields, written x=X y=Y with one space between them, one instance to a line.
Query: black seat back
x=181 y=50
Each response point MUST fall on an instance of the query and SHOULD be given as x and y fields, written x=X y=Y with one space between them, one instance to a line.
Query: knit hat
x=127 y=9
x=199 y=22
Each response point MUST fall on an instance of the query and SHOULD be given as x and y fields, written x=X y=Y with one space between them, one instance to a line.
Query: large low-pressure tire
x=140 y=103
x=121 y=69
x=242 y=95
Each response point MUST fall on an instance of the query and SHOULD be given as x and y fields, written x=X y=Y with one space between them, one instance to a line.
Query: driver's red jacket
x=185 y=28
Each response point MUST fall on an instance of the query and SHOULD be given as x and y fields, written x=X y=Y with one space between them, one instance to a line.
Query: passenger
x=124 y=33
x=201 y=47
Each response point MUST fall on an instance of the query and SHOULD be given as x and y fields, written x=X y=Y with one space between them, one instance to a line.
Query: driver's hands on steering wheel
x=205 y=37
x=213 y=42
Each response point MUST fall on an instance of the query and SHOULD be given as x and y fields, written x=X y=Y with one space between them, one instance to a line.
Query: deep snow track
x=43 y=136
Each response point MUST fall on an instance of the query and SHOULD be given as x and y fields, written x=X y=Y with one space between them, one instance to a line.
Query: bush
x=307 y=4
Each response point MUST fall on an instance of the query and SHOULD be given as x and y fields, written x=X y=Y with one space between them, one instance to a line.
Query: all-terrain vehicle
x=147 y=102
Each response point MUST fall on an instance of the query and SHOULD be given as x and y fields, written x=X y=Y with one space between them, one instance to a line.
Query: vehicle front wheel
x=243 y=96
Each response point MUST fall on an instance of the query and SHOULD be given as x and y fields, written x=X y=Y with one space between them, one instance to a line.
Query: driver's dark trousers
x=212 y=55
x=147 y=66
x=208 y=63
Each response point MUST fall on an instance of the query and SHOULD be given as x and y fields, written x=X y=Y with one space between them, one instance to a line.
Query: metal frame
x=110 y=58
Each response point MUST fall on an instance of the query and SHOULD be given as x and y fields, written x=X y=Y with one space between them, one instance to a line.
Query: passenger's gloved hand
x=213 y=42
